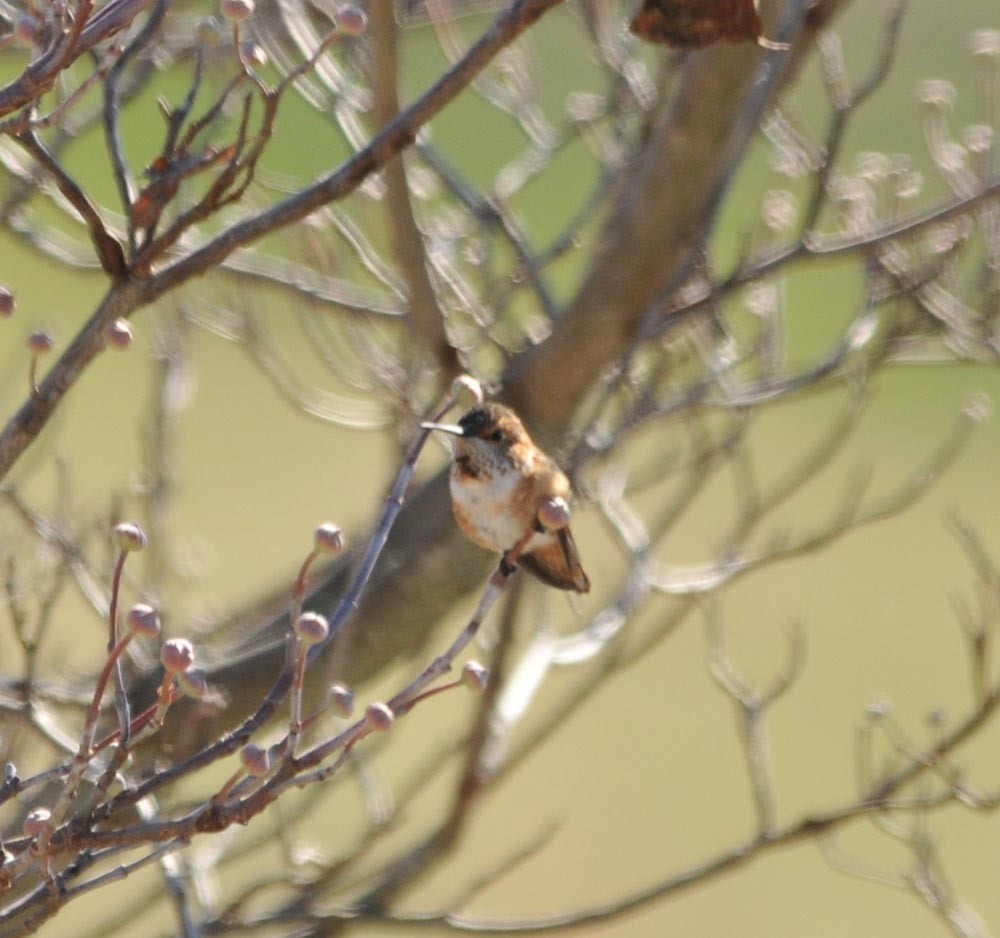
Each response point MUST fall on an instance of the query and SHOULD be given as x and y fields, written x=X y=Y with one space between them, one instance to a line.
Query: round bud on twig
x=937 y=93
x=193 y=683
x=208 y=31
x=909 y=185
x=256 y=761
x=379 y=717
x=36 y=821
x=177 y=655
x=779 y=210
x=8 y=303
x=311 y=628
x=985 y=42
x=862 y=331
x=475 y=676
x=979 y=138
x=553 y=513
x=253 y=54
x=351 y=20
x=329 y=539
x=143 y=620
x=236 y=11
x=341 y=700
x=466 y=391
x=40 y=342
x=118 y=334
x=129 y=536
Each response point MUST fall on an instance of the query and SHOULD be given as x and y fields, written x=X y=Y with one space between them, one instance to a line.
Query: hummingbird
x=499 y=480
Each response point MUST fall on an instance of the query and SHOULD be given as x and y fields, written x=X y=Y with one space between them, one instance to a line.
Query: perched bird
x=506 y=494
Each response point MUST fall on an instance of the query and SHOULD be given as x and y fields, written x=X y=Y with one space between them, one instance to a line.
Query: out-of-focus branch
x=657 y=224
x=106 y=246
x=111 y=114
x=426 y=539
x=887 y=795
x=391 y=140
x=421 y=859
x=126 y=297
x=426 y=317
x=661 y=370
x=752 y=707
x=40 y=75
x=29 y=420
x=422 y=578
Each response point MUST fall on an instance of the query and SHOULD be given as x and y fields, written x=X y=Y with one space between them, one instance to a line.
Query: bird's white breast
x=483 y=504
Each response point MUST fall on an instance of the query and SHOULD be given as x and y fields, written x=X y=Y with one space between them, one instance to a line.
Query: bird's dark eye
x=496 y=436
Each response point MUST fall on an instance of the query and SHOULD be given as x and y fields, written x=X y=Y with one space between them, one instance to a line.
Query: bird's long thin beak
x=451 y=428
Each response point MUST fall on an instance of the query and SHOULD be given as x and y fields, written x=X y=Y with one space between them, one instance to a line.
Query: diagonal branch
x=387 y=143
x=808 y=827
x=108 y=250
x=124 y=299
x=664 y=210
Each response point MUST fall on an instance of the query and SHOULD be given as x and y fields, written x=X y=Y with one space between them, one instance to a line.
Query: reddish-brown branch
x=129 y=295
x=40 y=75
x=109 y=251
x=392 y=139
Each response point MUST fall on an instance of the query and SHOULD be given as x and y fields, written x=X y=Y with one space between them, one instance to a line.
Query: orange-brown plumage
x=499 y=478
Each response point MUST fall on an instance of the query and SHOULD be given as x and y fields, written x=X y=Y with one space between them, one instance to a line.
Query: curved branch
x=807 y=827
x=395 y=137
x=130 y=295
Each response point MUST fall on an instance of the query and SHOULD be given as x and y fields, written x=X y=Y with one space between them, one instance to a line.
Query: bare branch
x=425 y=315
x=109 y=251
x=653 y=234
x=123 y=300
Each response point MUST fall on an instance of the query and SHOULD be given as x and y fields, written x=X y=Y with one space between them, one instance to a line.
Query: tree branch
x=123 y=300
x=663 y=213
x=40 y=75
x=425 y=317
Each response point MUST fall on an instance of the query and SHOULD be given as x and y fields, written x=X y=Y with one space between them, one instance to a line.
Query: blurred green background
x=646 y=778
